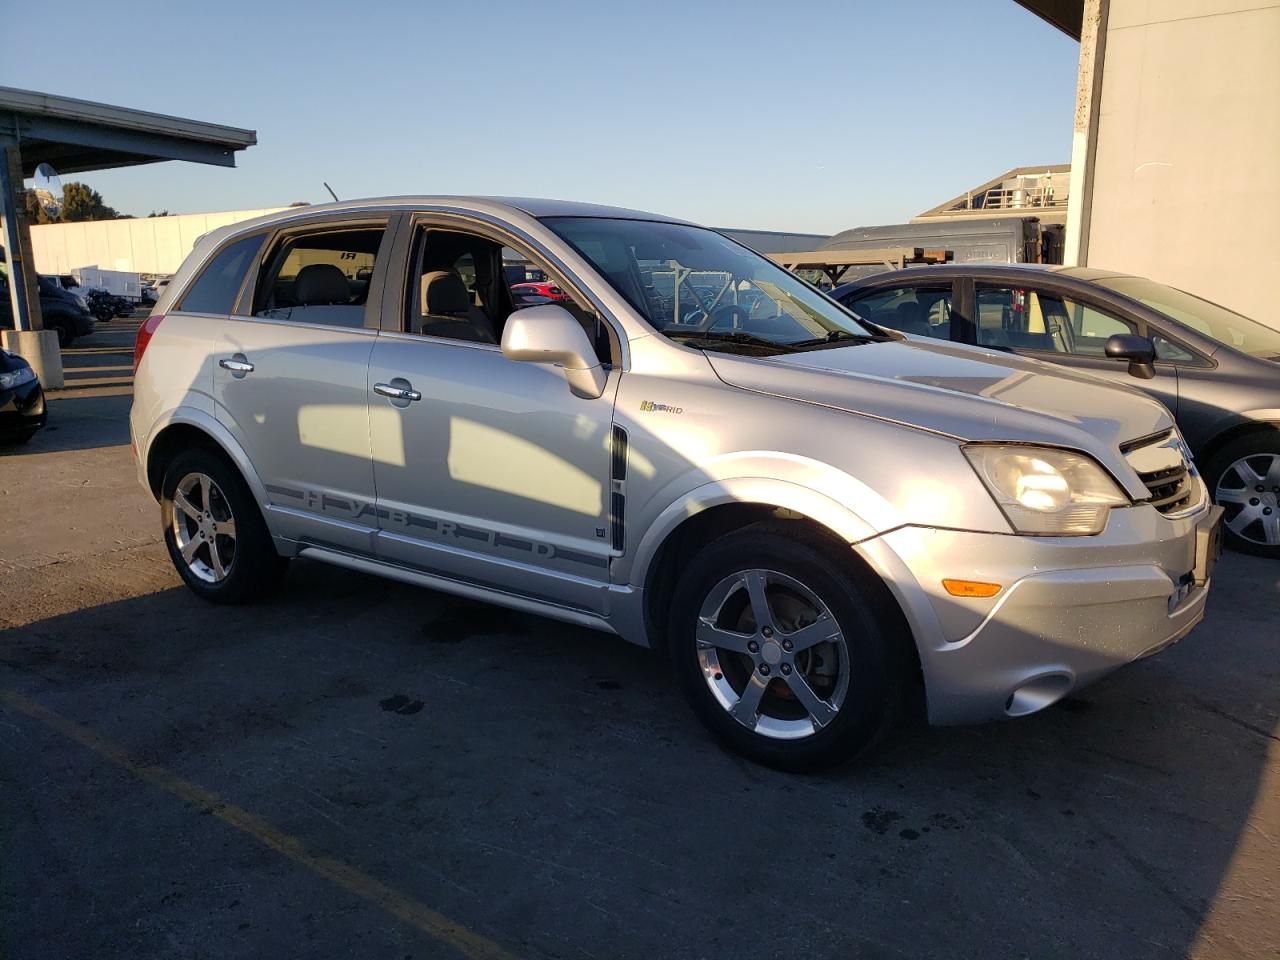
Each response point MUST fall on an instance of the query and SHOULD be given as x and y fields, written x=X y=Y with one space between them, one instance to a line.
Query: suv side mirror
x=549 y=334
x=1139 y=351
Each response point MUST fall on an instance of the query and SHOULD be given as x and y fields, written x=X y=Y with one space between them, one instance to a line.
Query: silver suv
x=693 y=449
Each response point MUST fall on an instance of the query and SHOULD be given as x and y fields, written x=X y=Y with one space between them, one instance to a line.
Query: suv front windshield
x=1203 y=316
x=700 y=288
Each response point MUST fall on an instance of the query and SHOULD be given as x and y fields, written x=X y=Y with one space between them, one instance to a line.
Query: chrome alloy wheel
x=772 y=654
x=1249 y=489
x=204 y=528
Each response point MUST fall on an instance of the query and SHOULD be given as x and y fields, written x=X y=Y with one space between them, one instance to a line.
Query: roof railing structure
x=835 y=262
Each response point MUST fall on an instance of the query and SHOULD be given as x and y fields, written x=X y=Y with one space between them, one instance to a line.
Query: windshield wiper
x=737 y=336
x=835 y=338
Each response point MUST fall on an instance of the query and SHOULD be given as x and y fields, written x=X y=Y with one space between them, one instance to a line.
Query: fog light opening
x=1035 y=695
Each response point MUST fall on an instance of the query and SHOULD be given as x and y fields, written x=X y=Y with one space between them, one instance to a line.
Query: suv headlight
x=1043 y=490
x=16 y=378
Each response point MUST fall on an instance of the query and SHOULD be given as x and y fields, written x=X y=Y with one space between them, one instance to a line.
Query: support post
x=28 y=339
x=1084 y=139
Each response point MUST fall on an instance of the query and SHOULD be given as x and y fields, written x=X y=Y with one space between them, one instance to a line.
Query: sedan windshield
x=701 y=288
x=1217 y=323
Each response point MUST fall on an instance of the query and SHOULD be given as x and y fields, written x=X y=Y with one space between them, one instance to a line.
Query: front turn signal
x=971 y=588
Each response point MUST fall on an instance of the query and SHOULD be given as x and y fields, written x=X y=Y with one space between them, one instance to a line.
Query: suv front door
x=494 y=473
x=290 y=380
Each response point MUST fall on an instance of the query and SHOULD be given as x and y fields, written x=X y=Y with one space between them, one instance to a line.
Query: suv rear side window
x=218 y=286
x=923 y=311
x=320 y=277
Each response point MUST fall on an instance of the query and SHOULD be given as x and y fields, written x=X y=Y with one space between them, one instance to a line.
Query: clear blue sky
x=803 y=116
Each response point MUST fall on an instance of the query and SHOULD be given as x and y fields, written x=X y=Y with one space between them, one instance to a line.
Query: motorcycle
x=104 y=306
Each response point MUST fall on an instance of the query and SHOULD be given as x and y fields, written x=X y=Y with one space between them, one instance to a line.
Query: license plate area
x=1182 y=589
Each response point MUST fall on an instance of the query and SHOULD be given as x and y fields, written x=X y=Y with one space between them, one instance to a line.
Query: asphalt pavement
x=358 y=768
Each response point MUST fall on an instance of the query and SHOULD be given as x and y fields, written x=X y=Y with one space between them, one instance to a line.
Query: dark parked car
x=1217 y=371
x=22 y=410
x=60 y=308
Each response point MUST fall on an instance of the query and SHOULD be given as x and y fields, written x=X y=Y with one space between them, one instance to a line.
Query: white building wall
x=1186 y=177
x=147 y=245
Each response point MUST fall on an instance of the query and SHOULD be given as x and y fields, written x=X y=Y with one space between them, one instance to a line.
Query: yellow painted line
x=402 y=907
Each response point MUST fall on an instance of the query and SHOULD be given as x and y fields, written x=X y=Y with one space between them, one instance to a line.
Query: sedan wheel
x=1249 y=489
x=204 y=528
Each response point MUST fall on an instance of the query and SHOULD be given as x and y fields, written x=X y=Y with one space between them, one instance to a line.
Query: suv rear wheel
x=1244 y=477
x=216 y=537
x=784 y=650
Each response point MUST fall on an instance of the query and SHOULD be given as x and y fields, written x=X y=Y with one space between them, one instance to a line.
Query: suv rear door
x=291 y=377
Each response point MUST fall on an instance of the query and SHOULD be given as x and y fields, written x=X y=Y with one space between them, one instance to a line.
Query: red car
x=543 y=288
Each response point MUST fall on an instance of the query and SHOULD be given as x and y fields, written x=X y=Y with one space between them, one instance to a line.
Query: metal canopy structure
x=74 y=136
x=78 y=135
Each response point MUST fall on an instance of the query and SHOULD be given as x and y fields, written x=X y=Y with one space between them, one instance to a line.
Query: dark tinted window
x=923 y=311
x=218 y=286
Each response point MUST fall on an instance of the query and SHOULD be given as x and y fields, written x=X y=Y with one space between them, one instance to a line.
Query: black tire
x=877 y=665
x=62 y=328
x=1260 y=444
x=255 y=568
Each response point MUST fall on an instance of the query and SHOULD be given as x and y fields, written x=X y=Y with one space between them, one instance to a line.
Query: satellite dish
x=48 y=190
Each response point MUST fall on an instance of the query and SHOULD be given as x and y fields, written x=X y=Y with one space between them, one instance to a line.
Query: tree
x=79 y=202
x=82 y=202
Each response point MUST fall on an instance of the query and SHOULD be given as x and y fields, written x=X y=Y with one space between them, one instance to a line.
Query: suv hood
x=969 y=393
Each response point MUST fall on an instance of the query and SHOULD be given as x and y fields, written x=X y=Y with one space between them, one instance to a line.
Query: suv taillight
x=145 y=333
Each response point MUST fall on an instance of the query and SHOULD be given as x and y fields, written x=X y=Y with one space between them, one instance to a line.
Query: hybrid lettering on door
x=346 y=507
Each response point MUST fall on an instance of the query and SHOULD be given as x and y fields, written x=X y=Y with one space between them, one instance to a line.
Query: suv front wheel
x=784 y=650
x=216 y=537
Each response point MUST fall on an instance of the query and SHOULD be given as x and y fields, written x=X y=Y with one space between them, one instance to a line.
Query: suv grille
x=1164 y=468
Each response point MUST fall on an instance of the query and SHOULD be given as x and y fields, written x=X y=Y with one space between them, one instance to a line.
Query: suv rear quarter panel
x=176 y=373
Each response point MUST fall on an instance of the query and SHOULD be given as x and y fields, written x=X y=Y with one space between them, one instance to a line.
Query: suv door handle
x=396 y=393
x=236 y=364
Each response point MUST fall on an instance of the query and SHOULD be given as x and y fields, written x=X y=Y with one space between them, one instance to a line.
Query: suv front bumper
x=1071 y=609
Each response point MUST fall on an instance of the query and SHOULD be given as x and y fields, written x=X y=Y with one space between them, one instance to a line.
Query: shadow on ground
x=79 y=423
x=546 y=787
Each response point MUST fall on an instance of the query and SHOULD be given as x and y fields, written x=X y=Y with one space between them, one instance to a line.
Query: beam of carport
x=75 y=136
x=1066 y=15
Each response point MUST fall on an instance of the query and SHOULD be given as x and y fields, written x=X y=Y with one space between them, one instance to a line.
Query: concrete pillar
x=29 y=339
x=1084 y=138
x=40 y=349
